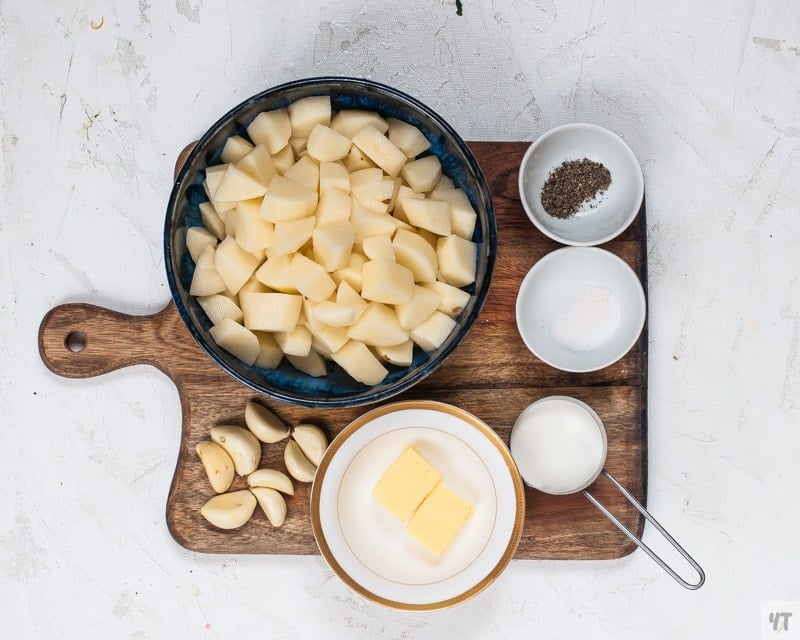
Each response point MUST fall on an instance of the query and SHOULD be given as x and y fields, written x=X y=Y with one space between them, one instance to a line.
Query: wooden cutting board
x=491 y=374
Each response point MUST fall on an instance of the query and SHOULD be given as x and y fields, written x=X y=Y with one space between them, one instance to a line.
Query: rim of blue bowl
x=364 y=396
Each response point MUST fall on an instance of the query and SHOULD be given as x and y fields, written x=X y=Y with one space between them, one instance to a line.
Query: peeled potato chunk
x=349 y=297
x=274 y=273
x=334 y=314
x=306 y=113
x=407 y=138
x=415 y=253
x=205 y=280
x=197 y=239
x=259 y=164
x=334 y=206
x=378 y=327
x=312 y=364
x=386 y=281
x=433 y=215
x=380 y=150
x=296 y=342
x=401 y=355
x=237 y=185
x=327 y=145
x=236 y=148
x=286 y=199
x=290 y=235
x=234 y=265
x=236 y=339
x=270 y=311
x=434 y=331
x=272 y=129
x=332 y=244
x=457 y=260
x=454 y=300
x=218 y=306
x=463 y=217
x=304 y=172
x=420 y=308
x=327 y=339
x=423 y=174
x=333 y=175
x=360 y=363
x=311 y=279
x=269 y=353
x=349 y=122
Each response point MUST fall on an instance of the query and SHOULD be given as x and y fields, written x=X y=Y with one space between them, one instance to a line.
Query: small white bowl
x=580 y=309
x=610 y=213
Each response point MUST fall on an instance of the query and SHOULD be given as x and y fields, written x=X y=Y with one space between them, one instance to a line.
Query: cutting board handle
x=83 y=340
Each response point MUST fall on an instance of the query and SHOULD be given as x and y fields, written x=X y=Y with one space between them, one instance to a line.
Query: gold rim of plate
x=465 y=416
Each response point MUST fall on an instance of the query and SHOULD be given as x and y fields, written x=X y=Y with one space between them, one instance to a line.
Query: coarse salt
x=588 y=321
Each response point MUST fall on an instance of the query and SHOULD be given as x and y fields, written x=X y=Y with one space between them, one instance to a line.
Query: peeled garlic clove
x=217 y=463
x=312 y=441
x=229 y=510
x=264 y=424
x=241 y=445
x=297 y=464
x=272 y=503
x=271 y=479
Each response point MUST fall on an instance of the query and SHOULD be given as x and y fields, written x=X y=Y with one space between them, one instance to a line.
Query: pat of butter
x=439 y=518
x=405 y=484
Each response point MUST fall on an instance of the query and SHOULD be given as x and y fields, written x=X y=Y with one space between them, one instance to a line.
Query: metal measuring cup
x=516 y=453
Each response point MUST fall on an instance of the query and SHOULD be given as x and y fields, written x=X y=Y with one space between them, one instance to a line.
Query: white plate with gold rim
x=370 y=550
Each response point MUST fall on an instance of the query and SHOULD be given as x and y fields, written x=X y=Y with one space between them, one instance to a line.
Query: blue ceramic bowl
x=286 y=383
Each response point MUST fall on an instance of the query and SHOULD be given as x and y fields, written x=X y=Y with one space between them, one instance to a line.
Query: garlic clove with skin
x=264 y=424
x=241 y=445
x=312 y=441
x=271 y=479
x=297 y=464
x=217 y=464
x=272 y=503
x=229 y=510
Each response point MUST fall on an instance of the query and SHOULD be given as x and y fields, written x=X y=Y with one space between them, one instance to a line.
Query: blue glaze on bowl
x=286 y=383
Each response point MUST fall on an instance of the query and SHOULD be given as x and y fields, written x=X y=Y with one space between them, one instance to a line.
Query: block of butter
x=405 y=484
x=439 y=518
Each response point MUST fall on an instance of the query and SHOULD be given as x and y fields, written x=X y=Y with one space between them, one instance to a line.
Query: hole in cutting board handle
x=75 y=341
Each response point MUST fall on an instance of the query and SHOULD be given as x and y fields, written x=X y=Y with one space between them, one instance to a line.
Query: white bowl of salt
x=580 y=309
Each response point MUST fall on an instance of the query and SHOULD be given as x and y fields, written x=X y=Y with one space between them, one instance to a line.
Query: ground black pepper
x=572 y=184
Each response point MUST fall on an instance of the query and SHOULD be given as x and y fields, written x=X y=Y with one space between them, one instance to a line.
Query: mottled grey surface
x=96 y=99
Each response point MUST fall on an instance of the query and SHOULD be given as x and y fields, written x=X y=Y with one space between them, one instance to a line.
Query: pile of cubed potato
x=331 y=236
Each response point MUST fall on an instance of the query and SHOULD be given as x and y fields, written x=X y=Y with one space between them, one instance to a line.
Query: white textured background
x=706 y=93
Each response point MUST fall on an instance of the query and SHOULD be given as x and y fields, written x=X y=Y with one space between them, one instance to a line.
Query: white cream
x=558 y=445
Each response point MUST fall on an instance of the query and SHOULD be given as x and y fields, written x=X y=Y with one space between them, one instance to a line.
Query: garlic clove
x=312 y=441
x=297 y=464
x=229 y=510
x=264 y=424
x=272 y=503
x=241 y=445
x=217 y=464
x=271 y=479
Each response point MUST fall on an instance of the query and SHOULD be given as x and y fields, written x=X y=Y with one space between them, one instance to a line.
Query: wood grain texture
x=491 y=374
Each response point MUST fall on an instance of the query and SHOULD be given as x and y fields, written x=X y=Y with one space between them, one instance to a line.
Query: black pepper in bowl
x=571 y=184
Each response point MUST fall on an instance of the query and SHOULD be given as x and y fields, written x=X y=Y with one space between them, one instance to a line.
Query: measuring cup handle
x=632 y=536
